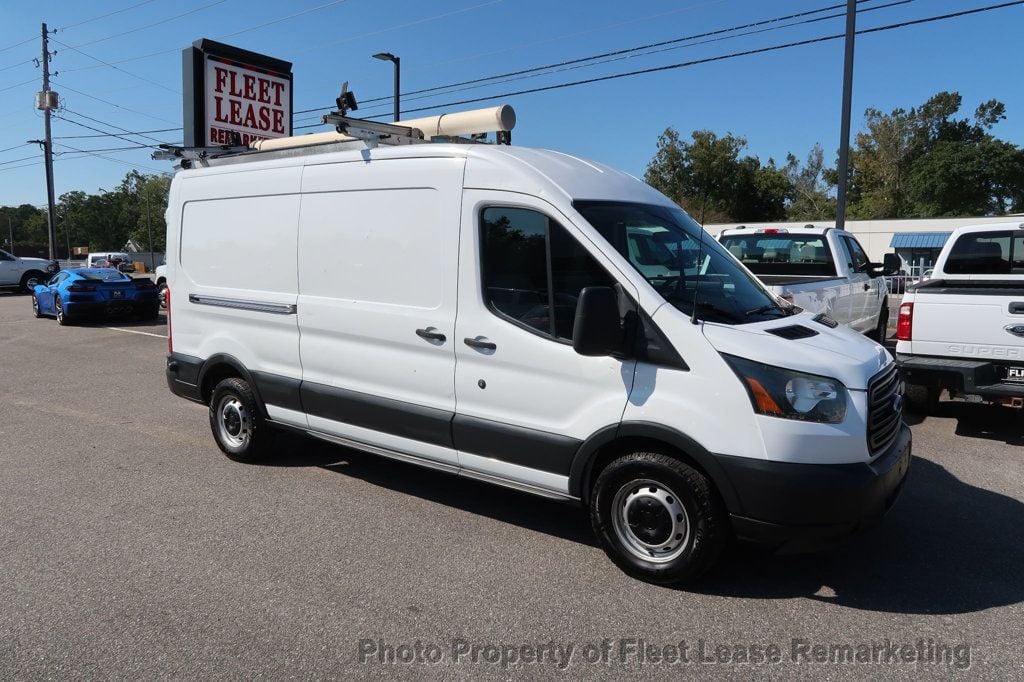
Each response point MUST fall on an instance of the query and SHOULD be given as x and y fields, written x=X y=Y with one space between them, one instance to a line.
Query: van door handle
x=481 y=343
x=1017 y=308
x=866 y=286
x=431 y=334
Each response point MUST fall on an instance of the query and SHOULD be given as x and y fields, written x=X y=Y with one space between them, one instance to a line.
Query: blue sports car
x=73 y=295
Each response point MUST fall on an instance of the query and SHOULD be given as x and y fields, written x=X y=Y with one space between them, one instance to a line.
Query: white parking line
x=135 y=331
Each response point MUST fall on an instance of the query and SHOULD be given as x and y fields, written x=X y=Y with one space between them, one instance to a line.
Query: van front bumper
x=802 y=507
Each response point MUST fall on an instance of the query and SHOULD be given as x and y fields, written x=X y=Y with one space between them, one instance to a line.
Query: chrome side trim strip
x=239 y=304
x=441 y=466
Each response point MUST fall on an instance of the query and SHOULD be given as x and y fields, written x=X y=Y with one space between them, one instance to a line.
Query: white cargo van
x=477 y=309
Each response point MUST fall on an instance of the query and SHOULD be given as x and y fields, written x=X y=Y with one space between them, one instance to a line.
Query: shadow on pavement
x=974 y=420
x=560 y=519
x=945 y=547
x=158 y=324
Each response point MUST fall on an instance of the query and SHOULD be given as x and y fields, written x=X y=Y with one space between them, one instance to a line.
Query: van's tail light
x=788 y=298
x=905 y=323
x=167 y=299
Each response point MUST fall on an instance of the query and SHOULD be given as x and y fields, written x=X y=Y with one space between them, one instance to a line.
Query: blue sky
x=780 y=101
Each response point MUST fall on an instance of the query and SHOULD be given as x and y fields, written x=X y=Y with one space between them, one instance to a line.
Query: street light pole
x=388 y=57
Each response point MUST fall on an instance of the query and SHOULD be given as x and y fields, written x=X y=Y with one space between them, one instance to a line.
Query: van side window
x=533 y=266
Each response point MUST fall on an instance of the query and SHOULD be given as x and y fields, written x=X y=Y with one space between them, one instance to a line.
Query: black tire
x=656 y=497
x=35 y=306
x=26 y=280
x=63 y=319
x=920 y=399
x=238 y=427
x=881 y=331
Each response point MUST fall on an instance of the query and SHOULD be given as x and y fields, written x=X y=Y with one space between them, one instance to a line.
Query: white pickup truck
x=962 y=330
x=820 y=269
x=19 y=272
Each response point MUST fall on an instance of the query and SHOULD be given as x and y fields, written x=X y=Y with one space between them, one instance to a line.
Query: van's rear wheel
x=657 y=518
x=236 y=422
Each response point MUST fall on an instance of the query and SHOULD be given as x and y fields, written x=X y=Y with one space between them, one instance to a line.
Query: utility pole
x=844 y=140
x=46 y=102
x=149 y=228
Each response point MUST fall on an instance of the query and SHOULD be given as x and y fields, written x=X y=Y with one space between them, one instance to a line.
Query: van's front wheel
x=236 y=422
x=657 y=518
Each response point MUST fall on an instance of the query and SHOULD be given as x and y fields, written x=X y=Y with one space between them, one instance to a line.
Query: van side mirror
x=891 y=264
x=597 y=329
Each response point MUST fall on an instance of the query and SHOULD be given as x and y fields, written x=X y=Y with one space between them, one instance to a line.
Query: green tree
x=927 y=162
x=810 y=187
x=708 y=177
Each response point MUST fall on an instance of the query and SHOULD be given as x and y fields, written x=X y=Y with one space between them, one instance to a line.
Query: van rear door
x=526 y=399
x=378 y=259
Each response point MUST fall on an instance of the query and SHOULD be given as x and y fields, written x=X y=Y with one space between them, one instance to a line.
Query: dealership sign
x=233 y=96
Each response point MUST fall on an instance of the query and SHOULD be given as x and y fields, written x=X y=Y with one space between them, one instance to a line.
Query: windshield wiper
x=712 y=308
x=765 y=309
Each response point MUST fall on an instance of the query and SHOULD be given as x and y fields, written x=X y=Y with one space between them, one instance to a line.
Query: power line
x=65 y=86
x=140 y=133
x=284 y=18
x=579 y=60
x=147 y=26
x=124 y=163
x=24 y=42
x=679 y=65
x=133 y=75
x=24 y=158
x=83 y=125
x=632 y=52
x=111 y=125
x=18 y=85
x=17 y=146
x=104 y=16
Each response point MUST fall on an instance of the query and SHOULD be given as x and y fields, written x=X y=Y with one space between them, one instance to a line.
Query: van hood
x=840 y=353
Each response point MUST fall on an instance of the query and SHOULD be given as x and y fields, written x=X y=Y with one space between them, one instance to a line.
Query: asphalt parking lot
x=130 y=547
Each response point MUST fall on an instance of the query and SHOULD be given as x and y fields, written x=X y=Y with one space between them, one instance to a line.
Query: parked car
x=73 y=295
x=962 y=329
x=479 y=310
x=110 y=259
x=820 y=269
x=161 y=283
x=23 y=273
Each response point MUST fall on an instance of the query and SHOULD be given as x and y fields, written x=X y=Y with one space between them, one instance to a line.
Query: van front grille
x=885 y=409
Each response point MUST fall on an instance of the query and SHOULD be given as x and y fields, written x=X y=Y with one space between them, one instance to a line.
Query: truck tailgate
x=966 y=323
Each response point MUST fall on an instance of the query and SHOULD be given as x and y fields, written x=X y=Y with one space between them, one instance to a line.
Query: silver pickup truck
x=820 y=269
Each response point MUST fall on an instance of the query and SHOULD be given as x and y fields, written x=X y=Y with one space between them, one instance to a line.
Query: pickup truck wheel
x=658 y=519
x=881 y=332
x=921 y=399
x=237 y=425
x=161 y=287
x=29 y=280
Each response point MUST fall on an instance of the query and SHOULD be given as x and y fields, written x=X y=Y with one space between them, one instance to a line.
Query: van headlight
x=789 y=394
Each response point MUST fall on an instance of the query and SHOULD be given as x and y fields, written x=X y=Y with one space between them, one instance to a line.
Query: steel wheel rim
x=234 y=426
x=650 y=521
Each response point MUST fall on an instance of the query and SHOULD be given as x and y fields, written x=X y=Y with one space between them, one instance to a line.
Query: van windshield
x=665 y=246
